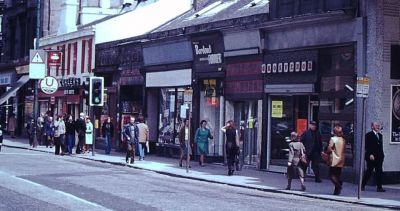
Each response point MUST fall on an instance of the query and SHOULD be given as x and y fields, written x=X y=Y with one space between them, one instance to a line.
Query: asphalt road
x=32 y=180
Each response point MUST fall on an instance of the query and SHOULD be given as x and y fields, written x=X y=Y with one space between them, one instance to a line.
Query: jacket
x=313 y=149
x=80 y=126
x=374 y=146
x=181 y=136
x=127 y=133
x=336 y=149
x=107 y=129
x=296 y=148
x=143 y=132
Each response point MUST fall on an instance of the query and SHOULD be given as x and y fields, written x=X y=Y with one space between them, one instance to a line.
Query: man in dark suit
x=131 y=134
x=312 y=142
x=374 y=156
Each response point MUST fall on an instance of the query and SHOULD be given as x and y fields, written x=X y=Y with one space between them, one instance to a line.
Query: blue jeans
x=70 y=142
x=108 y=142
x=141 y=150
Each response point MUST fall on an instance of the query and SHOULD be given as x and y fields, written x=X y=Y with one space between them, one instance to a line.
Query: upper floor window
x=116 y=3
x=91 y=3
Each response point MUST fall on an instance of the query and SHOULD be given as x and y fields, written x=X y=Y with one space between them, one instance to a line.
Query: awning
x=11 y=92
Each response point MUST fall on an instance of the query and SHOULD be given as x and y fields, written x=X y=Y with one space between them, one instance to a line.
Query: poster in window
x=277 y=109
x=395 y=120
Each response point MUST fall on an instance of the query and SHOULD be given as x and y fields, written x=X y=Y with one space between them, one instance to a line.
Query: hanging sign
x=277 y=109
x=49 y=85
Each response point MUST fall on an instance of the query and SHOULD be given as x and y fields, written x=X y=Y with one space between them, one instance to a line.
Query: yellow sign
x=277 y=109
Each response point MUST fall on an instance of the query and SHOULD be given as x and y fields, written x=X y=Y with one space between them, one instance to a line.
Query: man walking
x=131 y=134
x=374 y=156
x=312 y=142
x=143 y=137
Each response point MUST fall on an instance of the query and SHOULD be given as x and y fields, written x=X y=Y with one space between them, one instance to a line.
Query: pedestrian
x=88 y=135
x=70 y=134
x=295 y=164
x=311 y=140
x=80 y=127
x=62 y=131
x=12 y=124
x=57 y=139
x=1 y=138
x=374 y=156
x=143 y=137
x=131 y=134
x=107 y=130
x=336 y=151
x=49 y=132
x=40 y=129
x=201 y=139
x=185 y=143
x=231 y=144
x=29 y=131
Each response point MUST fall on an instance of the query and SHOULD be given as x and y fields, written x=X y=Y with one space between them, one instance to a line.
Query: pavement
x=246 y=178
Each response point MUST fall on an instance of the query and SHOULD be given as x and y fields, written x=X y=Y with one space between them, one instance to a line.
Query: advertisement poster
x=395 y=121
x=277 y=109
x=301 y=126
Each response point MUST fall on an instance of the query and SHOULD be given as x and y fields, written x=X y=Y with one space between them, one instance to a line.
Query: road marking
x=79 y=199
x=15 y=153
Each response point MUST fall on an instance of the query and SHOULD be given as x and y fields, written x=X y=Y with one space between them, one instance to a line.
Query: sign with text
x=37 y=64
x=277 y=109
x=362 y=86
x=395 y=117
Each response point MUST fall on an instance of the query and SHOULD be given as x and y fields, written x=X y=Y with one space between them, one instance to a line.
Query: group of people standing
x=308 y=148
x=61 y=131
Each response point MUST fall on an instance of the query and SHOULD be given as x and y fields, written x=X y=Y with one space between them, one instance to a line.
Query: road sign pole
x=35 y=95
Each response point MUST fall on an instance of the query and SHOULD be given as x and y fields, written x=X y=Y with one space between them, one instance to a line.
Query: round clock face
x=396 y=104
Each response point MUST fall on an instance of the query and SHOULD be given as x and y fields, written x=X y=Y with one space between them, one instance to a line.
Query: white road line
x=79 y=199
x=13 y=153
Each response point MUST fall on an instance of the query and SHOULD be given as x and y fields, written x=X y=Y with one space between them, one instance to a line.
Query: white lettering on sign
x=215 y=58
x=290 y=67
x=203 y=50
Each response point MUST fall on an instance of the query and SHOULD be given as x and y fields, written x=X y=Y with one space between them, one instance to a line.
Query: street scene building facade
x=270 y=66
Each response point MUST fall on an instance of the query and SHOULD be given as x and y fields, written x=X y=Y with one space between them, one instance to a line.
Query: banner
x=395 y=120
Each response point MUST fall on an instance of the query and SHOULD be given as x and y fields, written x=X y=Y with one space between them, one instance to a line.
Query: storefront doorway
x=287 y=114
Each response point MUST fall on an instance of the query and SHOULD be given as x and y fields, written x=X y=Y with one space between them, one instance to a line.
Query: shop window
x=90 y=3
x=174 y=108
x=116 y=4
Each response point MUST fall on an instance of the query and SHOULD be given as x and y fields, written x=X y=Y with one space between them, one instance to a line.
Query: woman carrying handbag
x=297 y=160
x=336 y=152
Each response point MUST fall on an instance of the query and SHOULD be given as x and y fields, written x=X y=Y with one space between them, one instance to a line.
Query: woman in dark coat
x=231 y=144
x=108 y=132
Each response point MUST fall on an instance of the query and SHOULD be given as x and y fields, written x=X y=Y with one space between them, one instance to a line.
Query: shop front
x=304 y=86
x=244 y=91
x=208 y=88
x=168 y=78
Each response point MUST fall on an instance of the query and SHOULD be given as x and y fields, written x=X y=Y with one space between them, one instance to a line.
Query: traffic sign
x=49 y=85
x=37 y=64
x=54 y=58
x=362 y=87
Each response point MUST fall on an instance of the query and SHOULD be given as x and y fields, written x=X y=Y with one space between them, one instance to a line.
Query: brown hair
x=231 y=124
x=338 y=131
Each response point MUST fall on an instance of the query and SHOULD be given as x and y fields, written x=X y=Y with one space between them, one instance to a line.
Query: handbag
x=325 y=157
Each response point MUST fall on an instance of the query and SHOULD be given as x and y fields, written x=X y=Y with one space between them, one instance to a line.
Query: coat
x=107 y=129
x=374 y=146
x=336 y=149
x=131 y=133
x=313 y=149
x=296 y=148
x=143 y=132
x=89 y=133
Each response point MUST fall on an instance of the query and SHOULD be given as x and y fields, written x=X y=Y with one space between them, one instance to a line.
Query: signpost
x=362 y=91
x=37 y=64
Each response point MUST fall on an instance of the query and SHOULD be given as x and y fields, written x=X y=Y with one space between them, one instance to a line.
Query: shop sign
x=395 y=118
x=71 y=92
x=289 y=67
x=277 y=109
x=70 y=82
x=49 y=85
x=54 y=58
x=205 y=54
x=362 y=87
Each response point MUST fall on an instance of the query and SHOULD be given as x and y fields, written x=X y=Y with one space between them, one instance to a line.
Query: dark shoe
x=230 y=172
x=337 y=191
x=287 y=187
x=132 y=161
x=380 y=190
x=180 y=164
x=303 y=188
x=318 y=180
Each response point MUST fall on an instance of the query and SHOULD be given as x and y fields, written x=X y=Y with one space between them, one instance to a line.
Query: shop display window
x=175 y=104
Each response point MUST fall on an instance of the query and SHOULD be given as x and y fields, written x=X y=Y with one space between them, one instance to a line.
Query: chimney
x=68 y=16
x=198 y=4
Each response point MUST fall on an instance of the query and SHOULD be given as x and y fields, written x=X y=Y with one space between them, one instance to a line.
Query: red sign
x=54 y=58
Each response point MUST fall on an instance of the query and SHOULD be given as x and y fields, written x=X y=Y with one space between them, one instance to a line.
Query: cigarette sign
x=54 y=58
